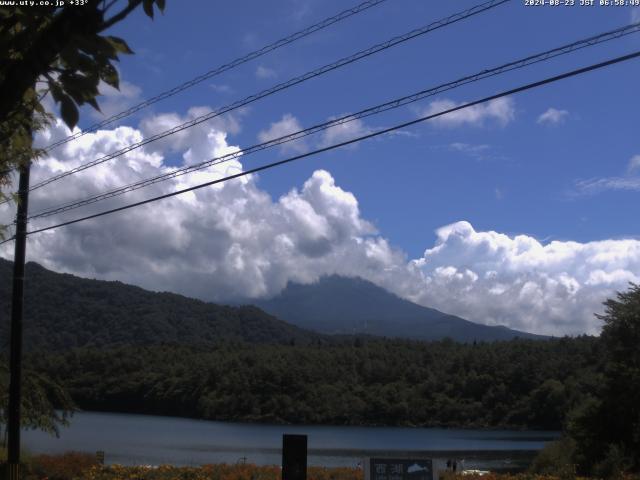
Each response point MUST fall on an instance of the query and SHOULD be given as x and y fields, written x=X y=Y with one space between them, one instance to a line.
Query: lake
x=152 y=440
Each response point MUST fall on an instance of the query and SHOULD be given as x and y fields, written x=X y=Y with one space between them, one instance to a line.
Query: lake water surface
x=150 y=440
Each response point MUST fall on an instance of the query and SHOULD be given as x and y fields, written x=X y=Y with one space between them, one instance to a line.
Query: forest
x=355 y=381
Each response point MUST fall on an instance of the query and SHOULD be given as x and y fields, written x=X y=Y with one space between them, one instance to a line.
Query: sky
x=518 y=212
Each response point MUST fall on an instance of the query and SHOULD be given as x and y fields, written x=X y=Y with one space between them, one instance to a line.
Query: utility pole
x=17 y=301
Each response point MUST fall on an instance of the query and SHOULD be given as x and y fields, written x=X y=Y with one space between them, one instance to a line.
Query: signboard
x=400 y=469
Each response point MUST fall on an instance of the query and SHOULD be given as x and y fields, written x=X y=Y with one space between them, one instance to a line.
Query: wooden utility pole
x=17 y=301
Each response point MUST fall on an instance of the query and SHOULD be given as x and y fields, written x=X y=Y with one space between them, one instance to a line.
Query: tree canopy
x=606 y=426
x=61 y=51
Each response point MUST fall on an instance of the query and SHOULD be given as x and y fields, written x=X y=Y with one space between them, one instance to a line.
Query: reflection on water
x=151 y=440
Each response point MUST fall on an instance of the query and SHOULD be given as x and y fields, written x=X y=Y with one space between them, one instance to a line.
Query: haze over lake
x=145 y=439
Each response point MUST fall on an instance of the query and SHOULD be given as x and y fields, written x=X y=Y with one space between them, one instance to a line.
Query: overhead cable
x=512 y=91
x=282 y=86
x=399 y=102
x=222 y=68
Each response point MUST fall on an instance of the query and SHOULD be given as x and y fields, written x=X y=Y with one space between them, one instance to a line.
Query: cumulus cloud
x=217 y=243
x=286 y=125
x=265 y=72
x=553 y=116
x=234 y=241
x=500 y=110
x=518 y=281
x=190 y=141
x=343 y=131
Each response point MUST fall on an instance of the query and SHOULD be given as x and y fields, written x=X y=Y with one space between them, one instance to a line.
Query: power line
x=517 y=64
x=522 y=88
x=223 y=68
x=282 y=86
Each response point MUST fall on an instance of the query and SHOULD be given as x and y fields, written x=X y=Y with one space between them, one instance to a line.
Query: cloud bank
x=518 y=281
x=234 y=240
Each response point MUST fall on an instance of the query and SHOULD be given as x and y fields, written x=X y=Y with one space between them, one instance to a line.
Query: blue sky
x=519 y=212
x=515 y=178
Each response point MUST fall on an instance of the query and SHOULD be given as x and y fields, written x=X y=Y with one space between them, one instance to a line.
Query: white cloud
x=113 y=101
x=343 y=132
x=517 y=281
x=189 y=141
x=597 y=185
x=500 y=110
x=265 y=72
x=217 y=243
x=630 y=182
x=286 y=125
x=634 y=164
x=553 y=116
x=221 y=88
x=479 y=152
x=234 y=241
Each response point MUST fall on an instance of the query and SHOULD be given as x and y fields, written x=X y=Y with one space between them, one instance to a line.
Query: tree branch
x=109 y=5
x=133 y=4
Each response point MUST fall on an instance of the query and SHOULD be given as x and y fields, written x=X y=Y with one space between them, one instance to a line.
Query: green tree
x=606 y=427
x=46 y=405
x=61 y=51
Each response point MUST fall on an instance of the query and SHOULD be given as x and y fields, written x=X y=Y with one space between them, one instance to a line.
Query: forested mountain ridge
x=516 y=384
x=64 y=311
x=341 y=305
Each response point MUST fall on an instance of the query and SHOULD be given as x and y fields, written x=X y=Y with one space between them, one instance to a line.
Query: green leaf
x=109 y=74
x=94 y=104
x=39 y=108
x=119 y=44
x=70 y=57
x=160 y=4
x=56 y=91
x=97 y=46
x=86 y=64
x=147 y=5
x=80 y=87
x=69 y=111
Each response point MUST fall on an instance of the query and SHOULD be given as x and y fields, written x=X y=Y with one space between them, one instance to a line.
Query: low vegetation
x=80 y=466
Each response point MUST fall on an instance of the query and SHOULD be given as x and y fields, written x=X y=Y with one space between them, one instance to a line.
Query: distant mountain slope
x=351 y=305
x=64 y=311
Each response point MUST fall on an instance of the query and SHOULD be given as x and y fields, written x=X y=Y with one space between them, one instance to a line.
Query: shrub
x=556 y=458
x=68 y=466
x=613 y=465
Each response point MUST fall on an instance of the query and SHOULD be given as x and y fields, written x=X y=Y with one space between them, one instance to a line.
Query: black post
x=294 y=457
x=15 y=361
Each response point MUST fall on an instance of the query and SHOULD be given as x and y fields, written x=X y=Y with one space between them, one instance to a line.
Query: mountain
x=340 y=305
x=64 y=311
